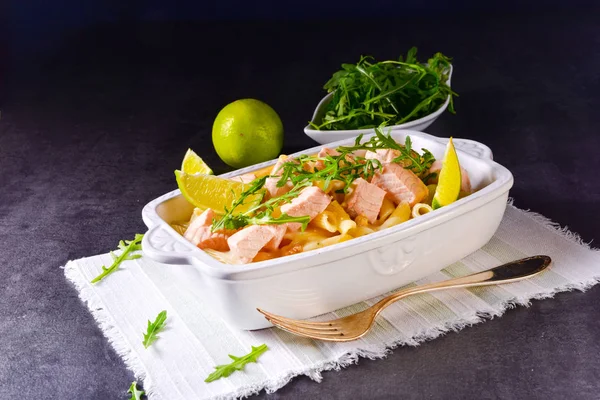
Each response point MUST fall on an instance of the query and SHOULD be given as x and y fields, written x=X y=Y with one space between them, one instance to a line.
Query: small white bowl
x=324 y=137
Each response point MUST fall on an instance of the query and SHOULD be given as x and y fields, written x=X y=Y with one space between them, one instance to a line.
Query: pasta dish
x=312 y=201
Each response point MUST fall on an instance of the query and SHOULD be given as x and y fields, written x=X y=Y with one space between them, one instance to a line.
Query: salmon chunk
x=275 y=191
x=271 y=183
x=385 y=156
x=311 y=201
x=326 y=151
x=278 y=233
x=246 y=243
x=245 y=178
x=465 y=184
x=364 y=199
x=200 y=235
x=401 y=184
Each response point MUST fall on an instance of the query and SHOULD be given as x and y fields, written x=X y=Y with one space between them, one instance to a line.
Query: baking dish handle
x=159 y=245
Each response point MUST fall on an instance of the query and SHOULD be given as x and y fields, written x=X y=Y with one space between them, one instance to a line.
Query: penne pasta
x=360 y=231
x=316 y=244
x=309 y=234
x=292 y=248
x=265 y=255
x=401 y=214
x=346 y=225
x=326 y=220
x=421 y=209
x=344 y=222
x=387 y=208
x=361 y=220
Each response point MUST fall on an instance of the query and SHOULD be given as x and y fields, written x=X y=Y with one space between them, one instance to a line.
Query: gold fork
x=354 y=326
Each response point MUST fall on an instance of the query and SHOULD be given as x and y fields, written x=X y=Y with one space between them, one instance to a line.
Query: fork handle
x=510 y=272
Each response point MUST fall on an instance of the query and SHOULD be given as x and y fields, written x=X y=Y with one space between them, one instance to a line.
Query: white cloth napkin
x=196 y=340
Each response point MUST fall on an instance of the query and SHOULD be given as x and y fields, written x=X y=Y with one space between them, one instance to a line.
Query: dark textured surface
x=93 y=130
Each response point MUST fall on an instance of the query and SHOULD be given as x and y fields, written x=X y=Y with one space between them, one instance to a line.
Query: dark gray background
x=95 y=120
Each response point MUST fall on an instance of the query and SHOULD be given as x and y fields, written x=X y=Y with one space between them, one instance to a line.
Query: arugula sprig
x=127 y=247
x=342 y=167
x=409 y=158
x=368 y=93
x=154 y=328
x=222 y=371
x=261 y=214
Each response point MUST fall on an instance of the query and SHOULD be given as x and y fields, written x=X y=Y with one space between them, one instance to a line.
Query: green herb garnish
x=340 y=167
x=154 y=328
x=135 y=393
x=127 y=247
x=409 y=158
x=222 y=371
x=345 y=167
x=370 y=94
x=261 y=214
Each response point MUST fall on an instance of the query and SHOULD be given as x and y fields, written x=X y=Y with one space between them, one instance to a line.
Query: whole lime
x=247 y=132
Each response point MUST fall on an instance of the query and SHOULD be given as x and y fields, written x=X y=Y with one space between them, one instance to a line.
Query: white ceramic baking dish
x=319 y=281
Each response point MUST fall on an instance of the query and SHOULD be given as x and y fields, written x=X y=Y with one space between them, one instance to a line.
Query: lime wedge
x=448 y=187
x=209 y=191
x=193 y=164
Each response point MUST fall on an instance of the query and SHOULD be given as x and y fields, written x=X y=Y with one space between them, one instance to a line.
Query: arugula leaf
x=370 y=94
x=135 y=393
x=223 y=371
x=127 y=247
x=154 y=328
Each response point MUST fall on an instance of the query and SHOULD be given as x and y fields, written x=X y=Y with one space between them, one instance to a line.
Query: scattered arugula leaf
x=222 y=371
x=135 y=393
x=127 y=247
x=368 y=94
x=154 y=328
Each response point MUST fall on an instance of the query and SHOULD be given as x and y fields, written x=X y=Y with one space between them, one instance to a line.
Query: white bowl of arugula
x=403 y=94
